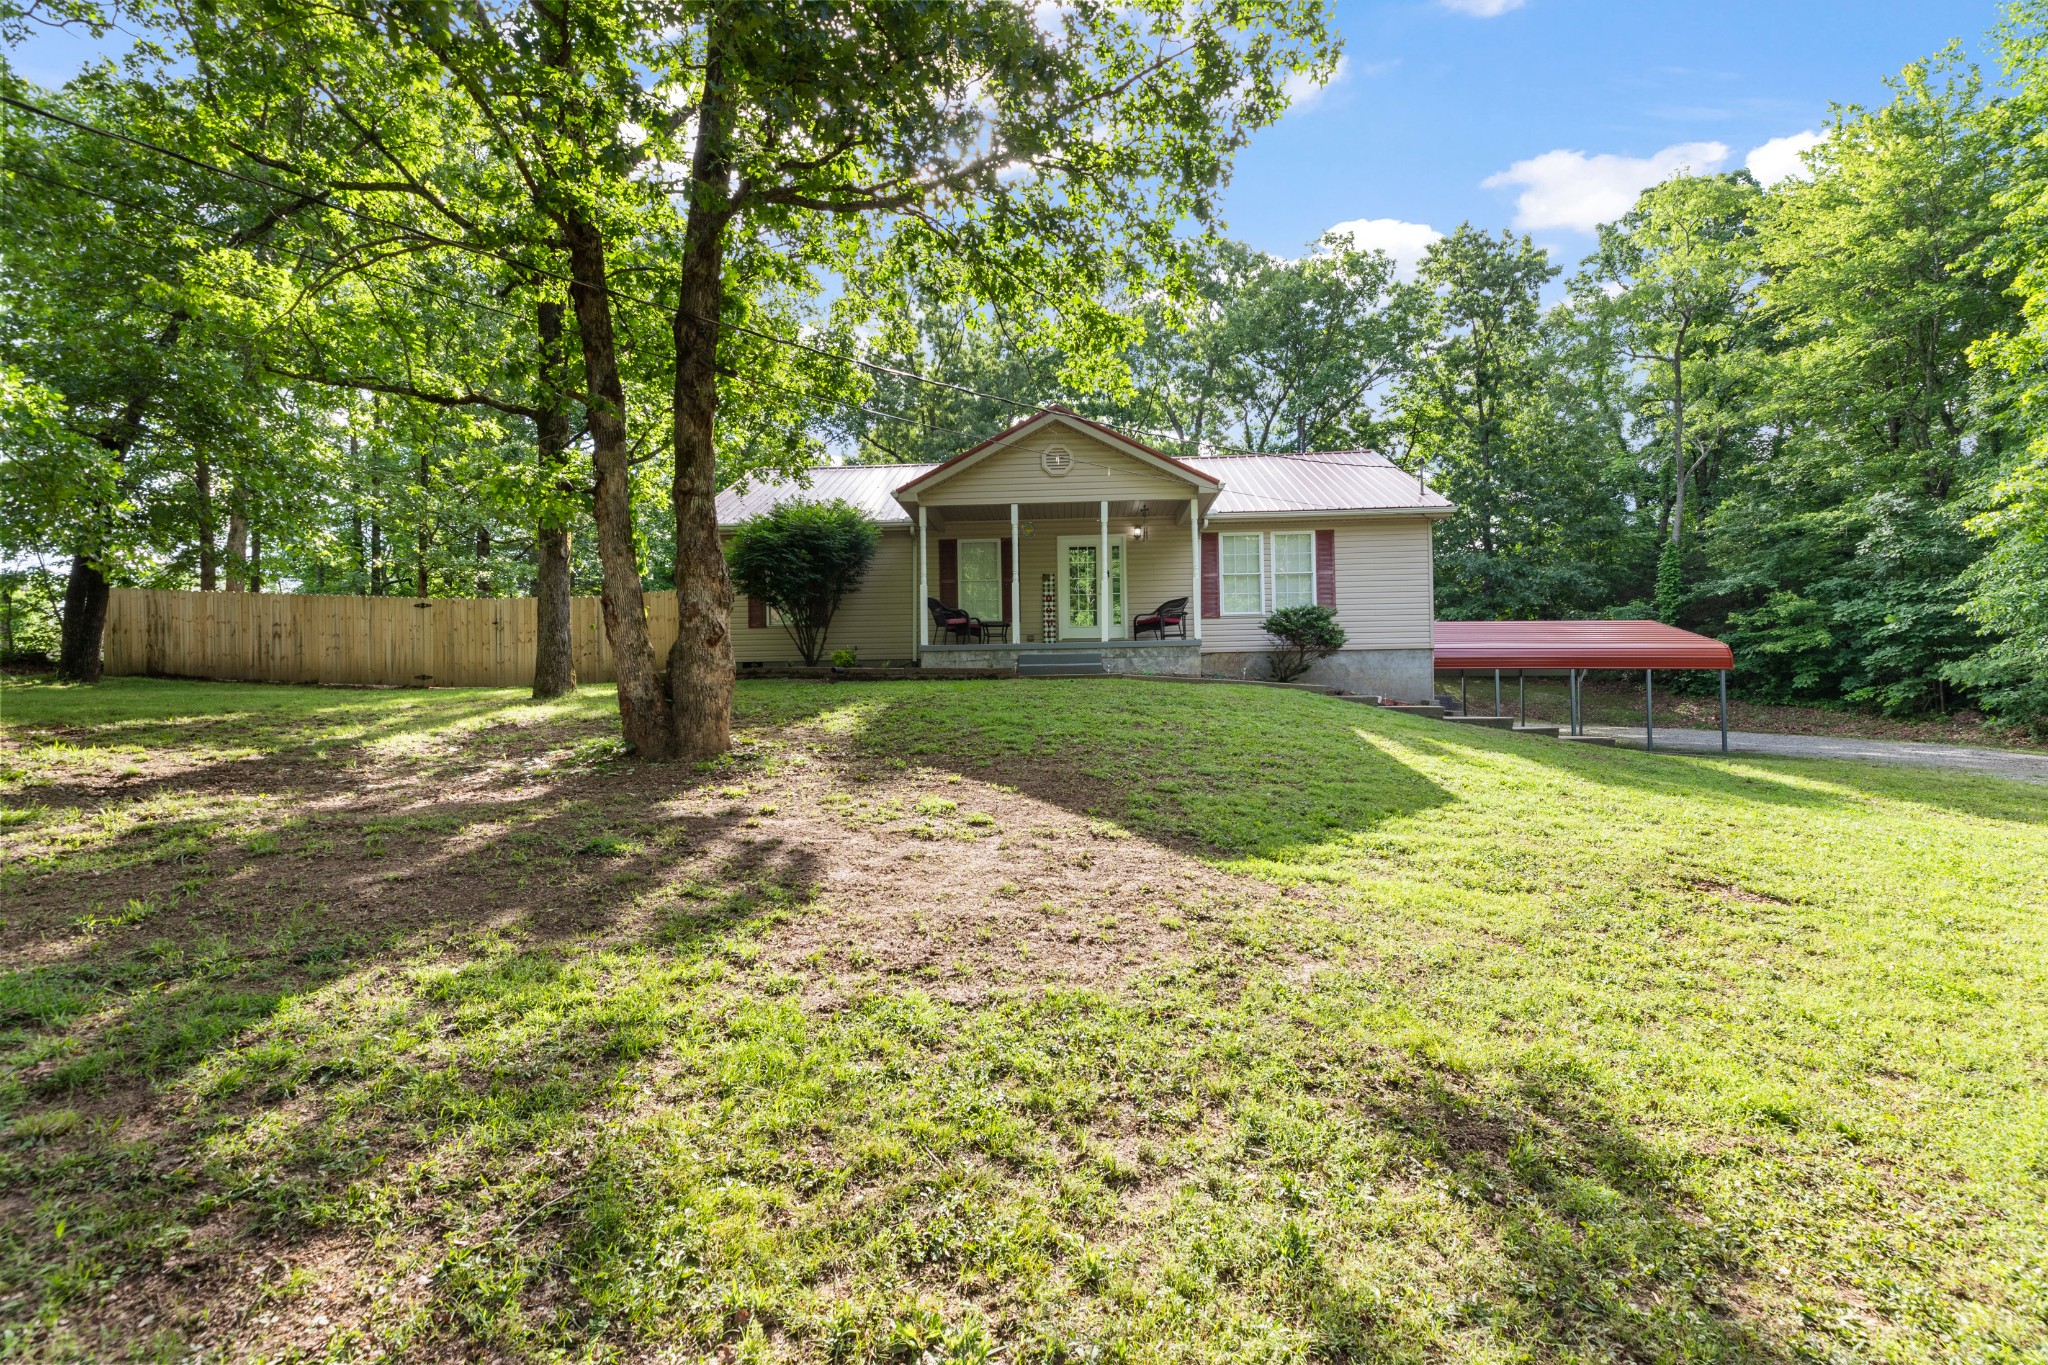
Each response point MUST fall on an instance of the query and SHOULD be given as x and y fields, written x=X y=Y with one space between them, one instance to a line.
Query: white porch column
x=1195 y=564
x=924 y=592
x=1102 y=563
x=1016 y=579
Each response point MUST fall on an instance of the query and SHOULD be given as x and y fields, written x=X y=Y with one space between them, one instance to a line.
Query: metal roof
x=1269 y=485
x=1316 y=481
x=1575 y=644
x=870 y=487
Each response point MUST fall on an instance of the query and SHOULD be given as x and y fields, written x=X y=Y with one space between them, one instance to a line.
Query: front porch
x=1069 y=534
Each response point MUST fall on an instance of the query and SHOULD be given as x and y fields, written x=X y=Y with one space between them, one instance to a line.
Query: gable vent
x=1056 y=461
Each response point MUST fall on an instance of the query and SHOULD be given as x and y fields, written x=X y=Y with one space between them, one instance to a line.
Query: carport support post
x=1521 y=697
x=1571 y=689
x=1724 y=710
x=1496 y=692
x=1464 y=693
x=1649 y=708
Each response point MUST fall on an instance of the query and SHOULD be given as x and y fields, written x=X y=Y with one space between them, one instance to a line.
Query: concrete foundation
x=1396 y=674
x=1132 y=658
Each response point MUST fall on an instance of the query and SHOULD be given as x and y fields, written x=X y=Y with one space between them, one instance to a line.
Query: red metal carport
x=1577 y=646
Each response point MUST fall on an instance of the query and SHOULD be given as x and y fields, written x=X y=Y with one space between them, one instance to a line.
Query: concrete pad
x=2015 y=763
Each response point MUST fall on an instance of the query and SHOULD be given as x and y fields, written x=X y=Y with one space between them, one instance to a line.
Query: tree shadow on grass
x=206 y=960
x=1192 y=767
x=579 y=1113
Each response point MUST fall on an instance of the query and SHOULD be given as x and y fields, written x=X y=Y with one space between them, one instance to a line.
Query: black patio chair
x=1169 y=617
x=951 y=622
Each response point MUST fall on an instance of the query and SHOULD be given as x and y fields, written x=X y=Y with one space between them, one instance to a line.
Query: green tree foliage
x=1274 y=354
x=384 y=299
x=802 y=559
x=1268 y=354
x=1469 y=409
x=1673 y=278
x=2008 y=586
x=1838 y=537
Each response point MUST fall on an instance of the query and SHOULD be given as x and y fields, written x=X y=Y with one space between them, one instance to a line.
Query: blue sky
x=1544 y=115
x=1564 y=106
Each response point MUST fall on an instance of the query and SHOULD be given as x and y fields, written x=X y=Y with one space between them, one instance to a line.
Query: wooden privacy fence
x=389 y=641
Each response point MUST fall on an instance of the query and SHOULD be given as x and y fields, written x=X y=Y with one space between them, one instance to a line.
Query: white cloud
x=1304 y=91
x=1481 y=9
x=1564 y=189
x=1405 y=242
x=1778 y=159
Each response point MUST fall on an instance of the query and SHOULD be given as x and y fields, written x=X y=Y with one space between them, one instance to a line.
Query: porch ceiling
x=1154 y=512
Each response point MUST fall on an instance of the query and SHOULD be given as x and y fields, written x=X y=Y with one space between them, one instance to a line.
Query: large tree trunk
x=700 y=664
x=419 y=557
x=202 y=479
x=554 y=656
x=79 y=657
x=1678 y=438
x=644 y=716
x=238 y=543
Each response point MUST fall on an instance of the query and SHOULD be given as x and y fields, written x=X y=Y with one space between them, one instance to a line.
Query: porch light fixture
x=1144 y=511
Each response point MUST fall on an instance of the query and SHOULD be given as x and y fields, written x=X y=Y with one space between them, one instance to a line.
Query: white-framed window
x=1241 y=573
x=981 y=579
x=1294 y=569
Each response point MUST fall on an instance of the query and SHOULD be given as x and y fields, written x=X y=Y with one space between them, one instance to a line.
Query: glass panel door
x=1080 y=585
x=1077 y=592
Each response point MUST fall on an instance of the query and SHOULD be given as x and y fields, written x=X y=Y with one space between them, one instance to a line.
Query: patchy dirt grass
x=1033 y=1021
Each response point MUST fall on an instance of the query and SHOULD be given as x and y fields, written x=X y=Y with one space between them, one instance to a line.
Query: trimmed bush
x=802 y=559
x=1302 y=635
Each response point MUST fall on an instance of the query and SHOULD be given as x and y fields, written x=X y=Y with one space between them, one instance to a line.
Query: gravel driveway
x=1998 y=762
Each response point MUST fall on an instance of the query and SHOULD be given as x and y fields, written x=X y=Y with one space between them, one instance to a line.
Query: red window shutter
x=949 y=572
x=757 y=614
x=1326 y=568
x=1212 y=576
x=1009 y=607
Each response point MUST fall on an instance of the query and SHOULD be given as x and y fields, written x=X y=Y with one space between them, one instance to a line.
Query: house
x=1069 y=530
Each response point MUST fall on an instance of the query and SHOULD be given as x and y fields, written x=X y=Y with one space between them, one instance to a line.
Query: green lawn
x=1026 y=1021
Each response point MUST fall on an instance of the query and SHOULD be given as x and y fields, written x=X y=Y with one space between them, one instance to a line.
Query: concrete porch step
x=1604 y=741
x=1432 y=712
x=1062 y=663
x=1549 y=731
x=1484 y=722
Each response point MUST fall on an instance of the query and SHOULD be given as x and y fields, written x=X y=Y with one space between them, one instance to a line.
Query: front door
x=1080 y=586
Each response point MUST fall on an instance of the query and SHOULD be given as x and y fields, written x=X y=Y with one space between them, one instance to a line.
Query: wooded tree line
x=492 y=299
x=399 y=296
x=1804 y=418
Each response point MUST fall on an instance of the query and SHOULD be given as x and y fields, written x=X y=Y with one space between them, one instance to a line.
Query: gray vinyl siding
x=875 y=618
x=1385 y=588
x=1385 y=583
